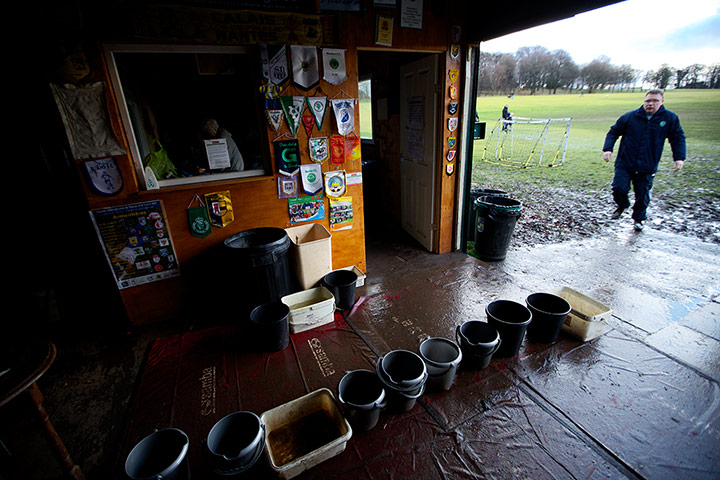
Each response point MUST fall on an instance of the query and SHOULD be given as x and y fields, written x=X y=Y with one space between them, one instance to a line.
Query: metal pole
x=545 y=132
x=567 y=135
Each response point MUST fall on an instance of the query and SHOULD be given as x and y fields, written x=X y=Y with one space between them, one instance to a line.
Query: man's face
x=652 y=103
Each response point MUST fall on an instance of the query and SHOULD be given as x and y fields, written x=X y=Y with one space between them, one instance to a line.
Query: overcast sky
x=642 y=33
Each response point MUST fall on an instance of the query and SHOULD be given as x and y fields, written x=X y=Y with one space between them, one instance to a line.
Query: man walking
x=643 y=134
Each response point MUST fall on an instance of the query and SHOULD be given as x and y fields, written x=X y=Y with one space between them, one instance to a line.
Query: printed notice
x=217 y=153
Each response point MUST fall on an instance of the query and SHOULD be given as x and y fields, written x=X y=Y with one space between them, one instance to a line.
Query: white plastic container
x=587 y=318
x=310 y=308
x=287 y=424
x=310 y=253
x=361 y=276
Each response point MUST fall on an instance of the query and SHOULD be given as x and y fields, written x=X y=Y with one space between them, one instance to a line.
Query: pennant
x=104 y=176
x=307 y=121
x=287 y=156
x=453 y=108
x=305 y=68
x=198 y=219
x=318 y=149
x=453 y=74
x=454 y=51
x=451 y=142
x=292 y=107
x=274 y=119
x=449 y=169
x=334 y=65
x=335 y=183
x=311 y=178
x=352 y=148
x=452 y=124
x=219 y=207
x=275 y=67
x=318 y=107
x=337 y=149
x=344 y=115
x=451 y=155
x=453 y=92
x=288 y=186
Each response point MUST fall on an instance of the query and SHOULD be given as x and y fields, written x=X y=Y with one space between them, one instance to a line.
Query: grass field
x=592 y=115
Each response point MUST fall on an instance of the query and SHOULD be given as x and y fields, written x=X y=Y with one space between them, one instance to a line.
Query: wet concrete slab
x=689 y=347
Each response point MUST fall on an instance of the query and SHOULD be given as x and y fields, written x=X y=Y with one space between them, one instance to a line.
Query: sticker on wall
x=288 y=185
x=198 y=218
x=452 y=108
x=311 y=175
x=451 y=155
x=306 y=209
x=451 y=142
x=337 y=149
x=449 y=169
x=318 y=149
x=334 y=65
x=305 y=68
x=454 y=51
x=341 y=213
x=344 y=109
x=335 y=183
x=219 y=207
x=287 y=156
x=453 y=74
x=452 y=124
x=318 y=107
x=453 y=92
x=104 y=176
x=293 y=108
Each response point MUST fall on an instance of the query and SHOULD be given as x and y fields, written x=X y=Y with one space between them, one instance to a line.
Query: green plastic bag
x=160 y=163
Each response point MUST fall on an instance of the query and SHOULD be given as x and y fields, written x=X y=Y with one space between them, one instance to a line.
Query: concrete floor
x=645 y=395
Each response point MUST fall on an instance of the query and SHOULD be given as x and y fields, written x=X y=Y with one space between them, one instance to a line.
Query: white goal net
x=528 y=142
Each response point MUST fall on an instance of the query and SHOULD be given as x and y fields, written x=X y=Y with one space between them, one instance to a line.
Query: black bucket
x=160 y=455
x=511 y=319
x=235 y=443
x=496 y=219
x=478 y=341
x=257 y=266
x=270 y=326
x=362 y=395
x=342 y=285
x=548 y=315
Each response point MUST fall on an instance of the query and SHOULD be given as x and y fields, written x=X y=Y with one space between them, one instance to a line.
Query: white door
x=418 y=117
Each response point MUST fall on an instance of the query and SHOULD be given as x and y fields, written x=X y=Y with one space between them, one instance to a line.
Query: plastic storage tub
x=587 y=317
x=361 y=276
x=310 y=253
x=304 y=432
x=310 y=309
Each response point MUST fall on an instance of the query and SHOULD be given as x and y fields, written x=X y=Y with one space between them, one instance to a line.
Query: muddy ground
x=552 y=215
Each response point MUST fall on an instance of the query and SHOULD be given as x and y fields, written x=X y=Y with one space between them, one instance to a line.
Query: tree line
x=536 y=69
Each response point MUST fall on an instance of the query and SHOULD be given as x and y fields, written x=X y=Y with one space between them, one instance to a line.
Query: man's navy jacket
x=642 y=139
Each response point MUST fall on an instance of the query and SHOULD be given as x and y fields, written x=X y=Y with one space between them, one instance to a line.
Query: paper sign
x=217 y=153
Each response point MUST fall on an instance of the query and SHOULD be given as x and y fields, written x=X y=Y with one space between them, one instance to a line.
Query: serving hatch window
x=191 y=114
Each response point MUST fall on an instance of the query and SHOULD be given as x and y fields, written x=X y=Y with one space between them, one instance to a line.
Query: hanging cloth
x=305 y=68
x=198 y=218
x=318 y=149
x=334 y=65
x=292 y=107
x=344 y=115
x=337 y=149
x=318 y=107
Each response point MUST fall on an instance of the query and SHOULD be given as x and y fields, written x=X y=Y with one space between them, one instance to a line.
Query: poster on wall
x=136 y=241
x=341 y=213
x=411 y=14
x=306 y=209
x=383 y=30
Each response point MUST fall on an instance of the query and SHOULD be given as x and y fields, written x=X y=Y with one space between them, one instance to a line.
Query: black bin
x=257 y=265
x=496 y=219
x=476 y=193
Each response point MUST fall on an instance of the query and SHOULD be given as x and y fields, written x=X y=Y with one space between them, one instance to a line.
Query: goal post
x=525 y=142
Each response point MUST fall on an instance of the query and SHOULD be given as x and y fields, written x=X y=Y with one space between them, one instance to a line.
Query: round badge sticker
x=663 y=123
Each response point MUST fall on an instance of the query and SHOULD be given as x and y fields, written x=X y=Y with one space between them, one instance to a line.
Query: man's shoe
x=616 y=214
x=638 y=225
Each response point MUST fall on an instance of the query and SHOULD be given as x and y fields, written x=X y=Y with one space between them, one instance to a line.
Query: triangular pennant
x=344 y=109
x=307 y=121
x=292 y=107
x=306 y=71
x=318 y=107
x=274 y=119
x=334 y=65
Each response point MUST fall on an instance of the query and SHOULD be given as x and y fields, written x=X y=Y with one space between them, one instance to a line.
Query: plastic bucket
x=342 y=285
x=548 y=315
x=478 y=341
x=404 y=370
x=259 y=264
x=442 y=358
x=362 y=395
x=496 y=219
x=403 y=401
x=235 y=442
x=160 y=455
x=511 y=319
x=270 y=326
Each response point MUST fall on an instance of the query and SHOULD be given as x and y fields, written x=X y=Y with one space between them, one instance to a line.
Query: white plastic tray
x=310 y=308
x=587 y=318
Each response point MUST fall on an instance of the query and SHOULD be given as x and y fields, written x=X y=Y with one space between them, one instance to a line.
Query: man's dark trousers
x=642 y=186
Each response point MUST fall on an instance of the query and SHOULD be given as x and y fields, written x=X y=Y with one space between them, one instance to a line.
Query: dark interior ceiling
x=492 y=19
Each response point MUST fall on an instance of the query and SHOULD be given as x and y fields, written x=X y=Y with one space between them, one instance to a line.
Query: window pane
x=366 y=117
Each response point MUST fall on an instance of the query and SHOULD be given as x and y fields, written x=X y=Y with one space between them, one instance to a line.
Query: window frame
x=109 y=50
x=368 y=78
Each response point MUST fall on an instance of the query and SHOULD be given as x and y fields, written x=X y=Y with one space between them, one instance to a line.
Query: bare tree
x=662 y=77
x=562 y=71
x=532 y=65
x=598 y=74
